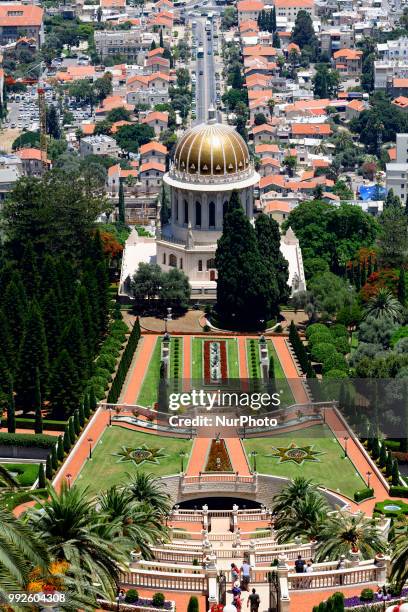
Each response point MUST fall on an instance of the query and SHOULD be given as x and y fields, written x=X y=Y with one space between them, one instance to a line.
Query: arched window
x=164 y=258
x=198 y=214
x=210 y=264
x=211 y=214
x=186 y=212
x=172 y=261
x=200 y=265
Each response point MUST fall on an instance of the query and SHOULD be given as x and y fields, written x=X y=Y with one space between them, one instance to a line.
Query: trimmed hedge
x=50 y=425
x=321 y=352
x=27 y=440
x=363 y=494
x=335 y=362
x=398 y=491
x=315 y=327
x=380 y=507
x=124 y=364
x=12 y=500
x=320 y=337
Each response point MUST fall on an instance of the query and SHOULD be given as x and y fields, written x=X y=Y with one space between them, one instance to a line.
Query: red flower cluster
x=223 y=359
x=383 y=279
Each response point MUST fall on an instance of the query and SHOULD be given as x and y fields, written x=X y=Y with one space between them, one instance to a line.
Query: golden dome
x=211 y=149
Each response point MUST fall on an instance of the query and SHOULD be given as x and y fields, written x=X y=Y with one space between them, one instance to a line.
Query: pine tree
x=33 y=357
x=11 y=414
x=65 y=388
x=14 y=301
x=243 y=279
x=161 y=43
x=48 y=468
x=54 y=458
x=276 y=41
x=88 y=324
x=73 y=342
x=121 y=204
x=77 y=425
x=102 y=281
x=402 y=292
x=52 y=323
x=29 y=270
x=269 y=239
x=41 y=477
x=7 y=346
x=60 y=448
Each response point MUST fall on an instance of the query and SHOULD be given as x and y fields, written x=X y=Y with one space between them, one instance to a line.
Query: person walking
x=254 y=601
x=246 y=575
x=299 y=565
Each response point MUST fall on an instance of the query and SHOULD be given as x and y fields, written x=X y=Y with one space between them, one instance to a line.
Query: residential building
x=98 y=145
x=11 y=169
x=385 y=71
x=290 y=8
x=153 y=152
x=32 y=164
x=348 y=62
x=397 y=171
x=18 y=20
x=393 y=49
x=157 y=120
x=149 y=89
x=249 y=9
x=133 y=44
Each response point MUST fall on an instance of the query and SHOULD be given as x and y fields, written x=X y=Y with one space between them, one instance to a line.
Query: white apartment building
x=393 y=49
x=132 y=44
x=386 y=70
x=98 y=145
x=397 y=172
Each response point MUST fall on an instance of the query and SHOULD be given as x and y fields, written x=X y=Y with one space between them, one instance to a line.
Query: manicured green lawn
x=198 y=357
x=331 y=469
x=148 y=393
x=105 y=470
x=253 y=358
x=25 y=473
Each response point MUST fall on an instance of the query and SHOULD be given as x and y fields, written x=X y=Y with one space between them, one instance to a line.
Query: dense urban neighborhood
x=204 y=305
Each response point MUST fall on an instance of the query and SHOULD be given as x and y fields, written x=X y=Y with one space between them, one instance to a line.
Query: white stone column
x=212 y=585
x=283 y=573
x=218 y=211
x=204 y=211
x=381 y=571
x=191 y=204
x=252 y=550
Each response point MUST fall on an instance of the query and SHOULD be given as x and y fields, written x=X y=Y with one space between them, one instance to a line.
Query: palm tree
x=399 y=559
x=292 y=494
x=6 y=478
x=305 y=518
x=384 y=305
x=20 y=551
x=123 y=517
x=147 y=488
x=68 y=523
x=344 y=532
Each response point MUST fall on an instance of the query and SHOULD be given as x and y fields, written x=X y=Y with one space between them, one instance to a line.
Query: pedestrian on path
x=238 y=602
x=234 y=572
x=246 y=575
x=254 y=601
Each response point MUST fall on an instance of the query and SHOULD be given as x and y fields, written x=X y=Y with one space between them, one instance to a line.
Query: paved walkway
x=289 y=368
x=138 y=369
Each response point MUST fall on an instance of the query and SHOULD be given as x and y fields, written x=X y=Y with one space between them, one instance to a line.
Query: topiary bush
x=335 y=362
x=121 y=326
x=158 y=600
x=339 y=331
x=320 y=337
x=315 y=327
x=363 y=494
x=367 y=595
x=342 y=345
x=131 y=596
x=193 y=604
x=321 y=352
x=335 y=374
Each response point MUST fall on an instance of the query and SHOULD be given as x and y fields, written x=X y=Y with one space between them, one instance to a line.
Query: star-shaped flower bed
x=295 y=454
x=140 y=455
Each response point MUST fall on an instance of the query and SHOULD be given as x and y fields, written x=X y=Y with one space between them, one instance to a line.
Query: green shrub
x=26 y=473
x=131 y=596
x=381 y=507
x=12 y=500
x=367 y=595
x=118 y=335
x=51 y=425
x=363 y=494
x=335 y=362
x=106 y=361
x=398 y=491
x=321 y=352
x=320 y=337
x=335 y=374
x=342 y=345
x=158 y=600
x=393 y=445
x=119 y=326
x=401 y=332
x=112 y=344
x=103 y=373
x=27 y=440
x=316 y=327
x=339 y=331
x=99 y=381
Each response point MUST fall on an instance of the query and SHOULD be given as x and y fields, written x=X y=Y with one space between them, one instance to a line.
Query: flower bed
x=377 y=605
x=218 y=450
x=215 y=361
x=143 y=605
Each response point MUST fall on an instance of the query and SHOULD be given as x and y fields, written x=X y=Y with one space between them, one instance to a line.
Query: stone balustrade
x=168 y=581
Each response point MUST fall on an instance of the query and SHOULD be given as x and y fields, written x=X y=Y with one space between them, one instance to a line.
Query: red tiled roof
x=20 y=15
x=153 y=146
x=153 y=166
x=311 y=129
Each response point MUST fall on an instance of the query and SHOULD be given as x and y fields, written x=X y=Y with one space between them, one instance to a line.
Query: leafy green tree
x=146 y=281
x=118 y=114
x=268 y=237
x=303 y=33
x=393 y=237
x=175 y=290
x=131 y=137
x=41 y=477
x=60 y=449
x=53 y=122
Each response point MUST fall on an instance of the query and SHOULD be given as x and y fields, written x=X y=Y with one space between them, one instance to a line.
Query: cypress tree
x=77 y=425
x=81 y=414
x=52 y=323
x=88 y=325
x=193 y=604
x=161 y=43
x=382 y=459
x=67 y=440
x=271 y=371
x=7 y=346
x=71 y=430
x=389 y=464
x=33 y=357
x=121 y=204
x=11 y=414
x=14 y=302
x=54 y=458
x=273 y=19
x=276 y=41
x=87 y=409
x=402 y=292
x=60 y=448
x=395 y=473
x=92 y=400
x=375 y=449
x=49 y=277
x=48 y=468
x=73 y=342
x=38 y=424
x=41 y=477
